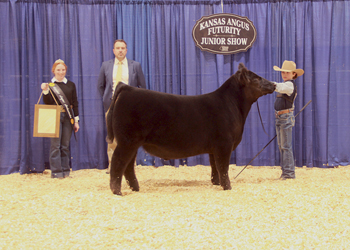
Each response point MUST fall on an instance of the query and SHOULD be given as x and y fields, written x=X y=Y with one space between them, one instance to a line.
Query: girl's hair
x=59 y=61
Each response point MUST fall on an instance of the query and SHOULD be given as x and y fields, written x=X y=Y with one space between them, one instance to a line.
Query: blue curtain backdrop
x=33 y=34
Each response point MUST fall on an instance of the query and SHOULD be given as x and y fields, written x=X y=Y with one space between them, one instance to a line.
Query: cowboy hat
x=289 y=66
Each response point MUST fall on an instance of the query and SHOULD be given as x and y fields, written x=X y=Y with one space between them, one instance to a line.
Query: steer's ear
x=241 y=66
x=243 y=73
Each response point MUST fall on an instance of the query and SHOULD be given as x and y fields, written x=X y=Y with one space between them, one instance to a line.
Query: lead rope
x=262 y=124
x=42 y=95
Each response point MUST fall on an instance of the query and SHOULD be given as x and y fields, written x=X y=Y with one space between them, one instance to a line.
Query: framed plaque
x=47 y=121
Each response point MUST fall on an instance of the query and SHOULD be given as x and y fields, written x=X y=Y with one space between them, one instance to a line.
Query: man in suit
x=119 y=69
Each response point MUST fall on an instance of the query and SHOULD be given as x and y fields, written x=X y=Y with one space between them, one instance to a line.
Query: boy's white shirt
x=286 y=87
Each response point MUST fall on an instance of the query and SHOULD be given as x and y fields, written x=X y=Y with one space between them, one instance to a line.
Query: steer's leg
x=214 y=172
x=121 y=158
x=222 y=161
x=130 y=175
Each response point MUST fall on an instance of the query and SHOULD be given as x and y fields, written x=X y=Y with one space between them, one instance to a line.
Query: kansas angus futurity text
x=224 y=33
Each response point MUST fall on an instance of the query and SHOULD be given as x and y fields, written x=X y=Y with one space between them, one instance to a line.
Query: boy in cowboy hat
x=284 y=113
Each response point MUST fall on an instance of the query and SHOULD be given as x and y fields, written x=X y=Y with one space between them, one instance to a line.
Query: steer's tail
x=109 y=118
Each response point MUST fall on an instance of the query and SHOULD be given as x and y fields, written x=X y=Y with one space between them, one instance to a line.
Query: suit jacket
x=105 y=79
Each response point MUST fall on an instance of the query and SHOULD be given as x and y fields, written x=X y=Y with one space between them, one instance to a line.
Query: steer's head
x=255 y=85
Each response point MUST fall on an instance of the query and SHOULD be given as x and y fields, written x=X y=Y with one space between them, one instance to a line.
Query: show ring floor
x=177 y=208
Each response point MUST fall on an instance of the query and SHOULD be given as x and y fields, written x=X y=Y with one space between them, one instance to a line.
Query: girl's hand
x=76 y=127
x=44 y=86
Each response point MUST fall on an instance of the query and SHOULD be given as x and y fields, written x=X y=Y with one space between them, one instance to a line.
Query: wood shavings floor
x=177 y=208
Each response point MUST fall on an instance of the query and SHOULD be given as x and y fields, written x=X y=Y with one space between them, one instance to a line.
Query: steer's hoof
x=216 y=183
x=227 y=188
x=116 y=189
x=134 y=185
x=117 y=192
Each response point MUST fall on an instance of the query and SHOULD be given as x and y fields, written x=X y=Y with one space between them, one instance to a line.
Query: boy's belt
x=284 y=111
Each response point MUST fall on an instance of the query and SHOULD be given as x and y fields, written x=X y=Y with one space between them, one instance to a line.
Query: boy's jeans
x=284 y=128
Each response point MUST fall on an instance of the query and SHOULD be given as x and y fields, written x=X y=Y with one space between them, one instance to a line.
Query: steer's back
x=171 y=126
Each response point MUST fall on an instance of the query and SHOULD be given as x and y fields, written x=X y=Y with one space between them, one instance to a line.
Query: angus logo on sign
x=224 y=33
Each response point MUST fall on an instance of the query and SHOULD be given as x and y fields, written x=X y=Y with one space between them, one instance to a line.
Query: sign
x=224 y=33
x=46 y=121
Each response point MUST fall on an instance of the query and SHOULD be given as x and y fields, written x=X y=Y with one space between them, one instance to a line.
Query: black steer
x=174 y=126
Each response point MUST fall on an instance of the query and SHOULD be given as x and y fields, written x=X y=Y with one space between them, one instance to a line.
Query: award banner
x=64 y=101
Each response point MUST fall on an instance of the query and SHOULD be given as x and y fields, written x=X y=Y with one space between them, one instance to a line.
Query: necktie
x=118 y=77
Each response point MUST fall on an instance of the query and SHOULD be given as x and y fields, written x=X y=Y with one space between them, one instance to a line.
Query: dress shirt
x=286 y=87
x=125 y=72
